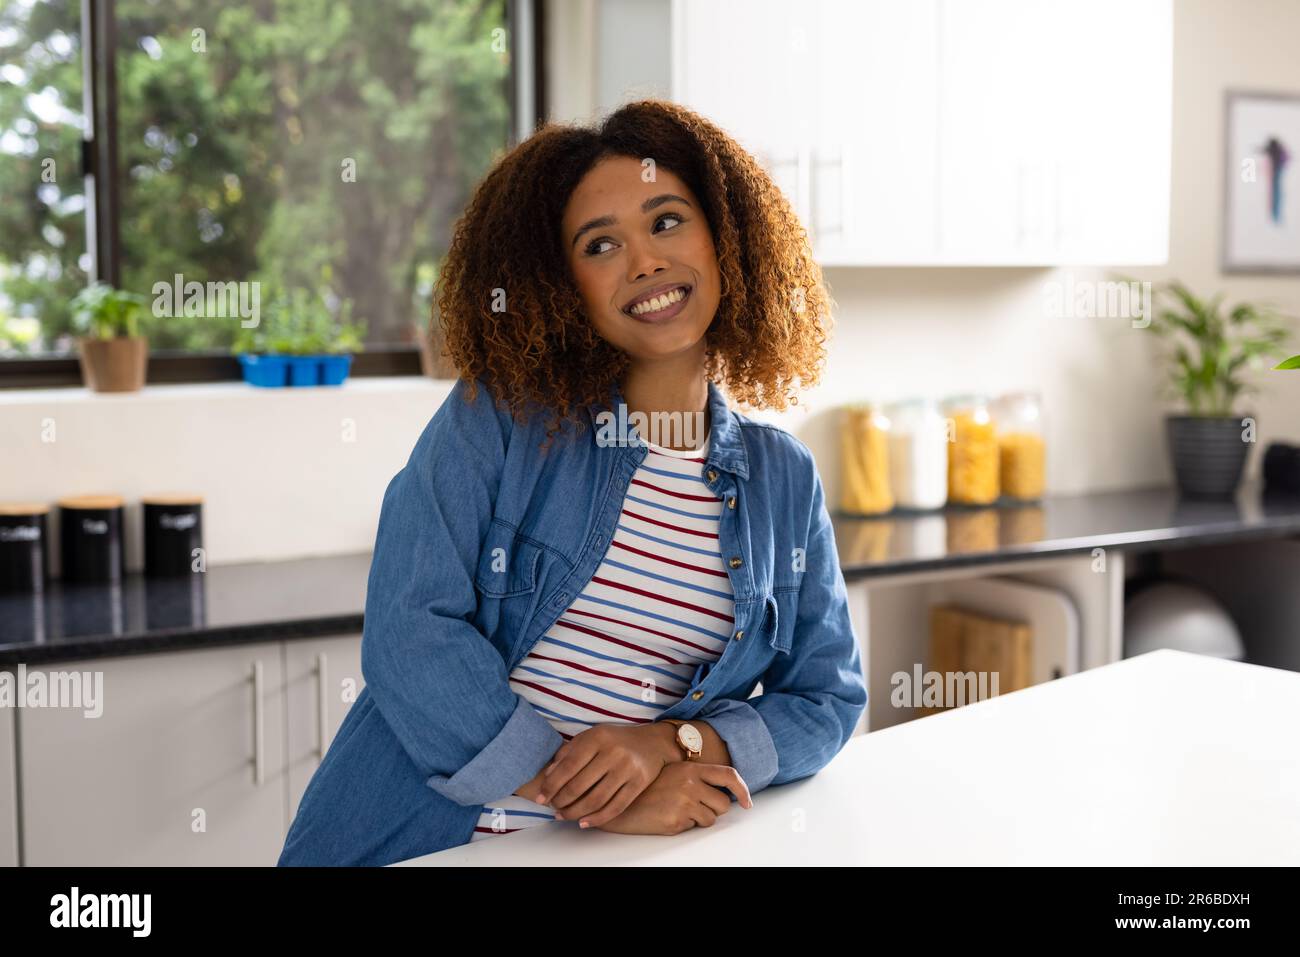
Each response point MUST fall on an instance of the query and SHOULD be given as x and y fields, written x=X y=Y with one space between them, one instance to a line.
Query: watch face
x=691 y=737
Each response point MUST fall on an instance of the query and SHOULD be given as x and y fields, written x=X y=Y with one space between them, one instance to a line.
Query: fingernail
x=541 y=799
x=582 y=824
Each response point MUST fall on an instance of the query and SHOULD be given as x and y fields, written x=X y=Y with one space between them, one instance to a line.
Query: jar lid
x=172 y=498
x=23 y=508
x=91 y=501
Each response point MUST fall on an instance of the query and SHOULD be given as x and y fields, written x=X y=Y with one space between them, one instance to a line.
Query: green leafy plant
x=101 y=312
x=1210 y=351
x=299 y=323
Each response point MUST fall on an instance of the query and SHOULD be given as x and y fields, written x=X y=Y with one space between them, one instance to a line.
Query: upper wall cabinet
x=947 y=132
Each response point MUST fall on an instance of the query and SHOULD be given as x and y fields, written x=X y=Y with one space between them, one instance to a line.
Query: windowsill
x=226 y=391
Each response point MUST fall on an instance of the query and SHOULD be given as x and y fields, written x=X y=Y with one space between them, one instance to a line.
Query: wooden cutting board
x=963 y=641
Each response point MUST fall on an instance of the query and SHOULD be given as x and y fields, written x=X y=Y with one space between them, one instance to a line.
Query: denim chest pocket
x=507 y=564
x=778 y=621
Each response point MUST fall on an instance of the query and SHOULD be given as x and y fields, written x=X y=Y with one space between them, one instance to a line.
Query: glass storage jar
x=918 y=453
x=1021 y=448
x=865 y=457
x=972 y=451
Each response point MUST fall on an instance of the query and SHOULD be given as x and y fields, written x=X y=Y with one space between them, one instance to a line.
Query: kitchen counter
x=1163 y=759
x=227 y=604
x=1132 y=519
x=311 y=597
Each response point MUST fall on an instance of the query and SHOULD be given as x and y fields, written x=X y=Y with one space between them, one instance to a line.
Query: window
x=295 y=144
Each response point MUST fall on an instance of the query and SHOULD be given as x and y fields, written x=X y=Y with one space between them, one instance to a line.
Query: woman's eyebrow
x=602 y=221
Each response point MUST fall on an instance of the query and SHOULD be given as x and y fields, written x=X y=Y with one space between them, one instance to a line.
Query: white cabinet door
x=947 y=132
x=1114 y=87
x=322 y=679
x=8 y=791
x=184 y=766
x=995 y=189
x=874 y=159
x=1054 y=131
x=749 y=67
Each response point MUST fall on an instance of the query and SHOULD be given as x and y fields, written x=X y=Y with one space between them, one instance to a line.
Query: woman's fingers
x=717 y=800
x=701 y=814
x=616 y=805
x=563 y=769
x=599 y=779
x=723 y=776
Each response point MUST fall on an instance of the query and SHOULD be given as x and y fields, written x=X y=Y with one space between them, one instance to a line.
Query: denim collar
x=726 y=445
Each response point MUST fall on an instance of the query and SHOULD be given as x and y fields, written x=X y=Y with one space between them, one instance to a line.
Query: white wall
x=284 y=472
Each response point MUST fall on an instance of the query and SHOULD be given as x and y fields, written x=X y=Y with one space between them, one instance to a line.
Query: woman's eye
x=591 y=249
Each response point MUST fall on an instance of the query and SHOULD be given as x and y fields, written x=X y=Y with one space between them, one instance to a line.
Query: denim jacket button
x=731 y=502
x=740 y=634
x=697 y=696
x=713 y=474
x=735 y=562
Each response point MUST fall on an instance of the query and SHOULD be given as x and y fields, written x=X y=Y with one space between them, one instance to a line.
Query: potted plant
x=299 y=342
x=1209 y=354
x=114 y=355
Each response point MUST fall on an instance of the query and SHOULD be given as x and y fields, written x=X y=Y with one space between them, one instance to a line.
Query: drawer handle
x=259 y=737
x=322 y=713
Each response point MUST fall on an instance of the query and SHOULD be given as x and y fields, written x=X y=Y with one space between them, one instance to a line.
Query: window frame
x=525 y=20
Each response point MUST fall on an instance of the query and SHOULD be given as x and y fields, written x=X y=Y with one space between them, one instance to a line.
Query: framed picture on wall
x=1261 y=208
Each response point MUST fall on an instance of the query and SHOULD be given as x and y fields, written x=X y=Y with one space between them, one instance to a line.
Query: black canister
x=24 y=547
x=173 y=532
x=91 y=538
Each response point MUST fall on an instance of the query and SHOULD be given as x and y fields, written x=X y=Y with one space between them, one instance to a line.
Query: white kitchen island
x=1164 y=759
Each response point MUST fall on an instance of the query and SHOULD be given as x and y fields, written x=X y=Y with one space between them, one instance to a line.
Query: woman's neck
x=678 y=392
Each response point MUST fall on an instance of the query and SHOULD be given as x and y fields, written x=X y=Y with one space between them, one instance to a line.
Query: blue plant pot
x=268 y=372
x=304 y=370
x=334 y=369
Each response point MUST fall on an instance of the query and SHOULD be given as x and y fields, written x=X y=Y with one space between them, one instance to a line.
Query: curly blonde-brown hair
x=542 y=351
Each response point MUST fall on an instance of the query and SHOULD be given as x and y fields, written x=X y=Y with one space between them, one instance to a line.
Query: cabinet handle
x=837 y=229
x=1057 y=220
x=322 y=713
x=259 y=737
x=804 y=175
x=1020 y=205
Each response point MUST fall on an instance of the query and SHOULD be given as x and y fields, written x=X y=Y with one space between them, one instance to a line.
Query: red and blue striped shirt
x=658 y=607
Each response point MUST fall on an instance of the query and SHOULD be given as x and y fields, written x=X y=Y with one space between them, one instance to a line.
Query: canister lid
x=173 y=498
x=91 y=501
x=23 y=508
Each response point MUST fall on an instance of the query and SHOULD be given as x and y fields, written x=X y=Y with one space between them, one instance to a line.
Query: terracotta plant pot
x=114 y=365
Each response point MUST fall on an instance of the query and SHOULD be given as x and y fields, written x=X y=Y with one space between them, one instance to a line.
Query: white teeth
x=662 y=301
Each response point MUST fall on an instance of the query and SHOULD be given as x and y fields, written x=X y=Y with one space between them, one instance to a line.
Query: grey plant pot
x=1208 y=454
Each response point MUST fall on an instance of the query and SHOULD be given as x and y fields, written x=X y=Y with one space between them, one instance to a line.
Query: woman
x=570 y=625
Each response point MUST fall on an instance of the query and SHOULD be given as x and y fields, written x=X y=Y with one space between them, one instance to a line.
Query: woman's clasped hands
x=634 y=780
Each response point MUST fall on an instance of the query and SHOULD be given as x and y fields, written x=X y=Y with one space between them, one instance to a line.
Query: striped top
x=627 y=647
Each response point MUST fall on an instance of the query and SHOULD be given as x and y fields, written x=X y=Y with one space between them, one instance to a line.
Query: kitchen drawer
x=185 y=765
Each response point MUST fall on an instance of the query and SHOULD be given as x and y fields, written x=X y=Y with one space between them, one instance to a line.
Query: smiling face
x=643 y=259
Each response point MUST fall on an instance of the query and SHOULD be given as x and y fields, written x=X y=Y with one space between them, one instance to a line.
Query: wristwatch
x=689 y=739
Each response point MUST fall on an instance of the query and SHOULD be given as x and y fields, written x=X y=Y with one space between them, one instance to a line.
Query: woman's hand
x=597 y=774
x=685 y=795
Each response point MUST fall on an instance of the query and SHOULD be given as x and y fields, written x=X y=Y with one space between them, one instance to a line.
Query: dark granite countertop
x=312 y=597
x=227 y=604
x=1141 y=519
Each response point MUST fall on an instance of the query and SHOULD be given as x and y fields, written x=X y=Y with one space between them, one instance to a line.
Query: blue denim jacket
x=483 y=542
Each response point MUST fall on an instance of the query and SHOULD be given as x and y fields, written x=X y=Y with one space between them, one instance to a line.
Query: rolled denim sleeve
x=812 y=697
x=436 y=679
